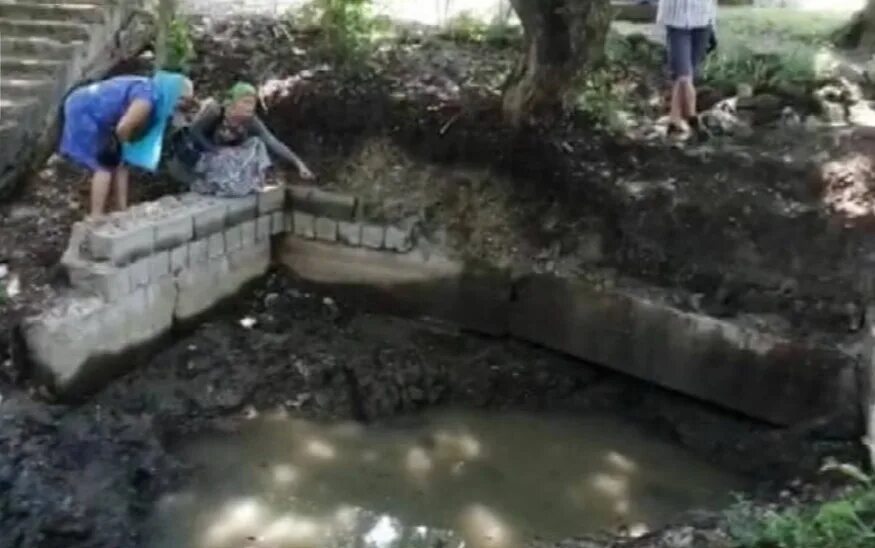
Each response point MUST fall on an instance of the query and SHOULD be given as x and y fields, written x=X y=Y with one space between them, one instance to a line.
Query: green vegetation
x=848 y=522
x=772 y=49
x=180 y=48
x=346 y=27
x=464 y=27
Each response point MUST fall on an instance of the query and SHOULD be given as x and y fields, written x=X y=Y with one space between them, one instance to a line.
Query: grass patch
x=848 y=522
x=773 y=49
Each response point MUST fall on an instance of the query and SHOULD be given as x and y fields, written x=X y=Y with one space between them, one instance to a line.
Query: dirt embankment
x=773 y=228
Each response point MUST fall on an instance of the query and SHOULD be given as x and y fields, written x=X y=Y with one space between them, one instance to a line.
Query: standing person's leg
x=699 y=38
x=120 y=186
x=101 y=182
x=680 y=63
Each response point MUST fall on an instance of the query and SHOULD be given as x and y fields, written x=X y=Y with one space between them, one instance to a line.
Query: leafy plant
x=848 y=522
x=180 y=47
x=464 y=27
x=346 y=27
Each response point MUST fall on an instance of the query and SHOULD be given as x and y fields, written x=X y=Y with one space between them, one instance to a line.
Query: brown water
x=494 y=479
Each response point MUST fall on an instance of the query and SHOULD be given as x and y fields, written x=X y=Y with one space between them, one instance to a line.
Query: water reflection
x=478 y=480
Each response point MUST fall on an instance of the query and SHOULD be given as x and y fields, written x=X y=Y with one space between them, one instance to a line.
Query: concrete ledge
x=80 y=334
x=151 y=276
x=780 y=381
x=321 y=203
x=409 y=284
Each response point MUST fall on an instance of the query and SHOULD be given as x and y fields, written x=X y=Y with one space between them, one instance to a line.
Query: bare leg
x=100 y=185
x=120 y=186
x=689 y=94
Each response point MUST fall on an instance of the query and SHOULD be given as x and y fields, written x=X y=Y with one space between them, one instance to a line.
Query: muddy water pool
x=449 y=478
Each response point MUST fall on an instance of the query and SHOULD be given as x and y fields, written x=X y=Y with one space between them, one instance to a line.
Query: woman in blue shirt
x=99 y=117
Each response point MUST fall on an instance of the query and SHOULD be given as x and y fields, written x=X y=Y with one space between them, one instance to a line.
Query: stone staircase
x=46 y=48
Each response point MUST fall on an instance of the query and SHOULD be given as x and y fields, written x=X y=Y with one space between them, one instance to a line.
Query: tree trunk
x=562 y=37
x=860 y=31
x=166 y=12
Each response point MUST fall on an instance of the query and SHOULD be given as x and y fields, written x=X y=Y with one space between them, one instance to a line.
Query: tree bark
x=860 y=31
x=166 y=12
x=562 y=38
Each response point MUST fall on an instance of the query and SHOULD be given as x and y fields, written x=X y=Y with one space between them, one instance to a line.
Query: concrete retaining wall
x=162 y=263
x=133 y=278
x=771 y=378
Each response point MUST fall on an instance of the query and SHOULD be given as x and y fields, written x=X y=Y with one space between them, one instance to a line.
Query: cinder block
x=103 y=279
x=121 y=246
x=304 y=224
x=159 y=266
x=174 y=230
x=233 y=238
x=263 y=228
x=278 y=222
x=138 y=273
x=373 y=236
x=209 y=218
x=321 y=203
x=216 y=245
x=240 y=209
x=247 y=233
x=202 y=287
x=179 y=259
x=271 y=199
x=398 y=240
x=326 y=229
x=349 y=233
x=198 y=252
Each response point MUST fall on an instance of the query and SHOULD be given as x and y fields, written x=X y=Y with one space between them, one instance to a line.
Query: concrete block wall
x=170 y=261
x=136 y=276
x=777 y=379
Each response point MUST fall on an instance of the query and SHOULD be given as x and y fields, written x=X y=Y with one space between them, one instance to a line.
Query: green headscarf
x=239 y=91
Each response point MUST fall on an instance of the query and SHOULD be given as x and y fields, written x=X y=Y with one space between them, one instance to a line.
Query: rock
x=861 y=114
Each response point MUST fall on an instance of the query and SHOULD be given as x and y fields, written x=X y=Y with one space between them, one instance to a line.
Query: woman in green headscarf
x=226 y=150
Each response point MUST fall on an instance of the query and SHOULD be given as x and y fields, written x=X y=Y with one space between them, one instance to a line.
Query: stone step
x=15 y=66
x=86 y=13
x=19 y=110
x=56 y=30
x=7 y=131
x=16 y=87
x=46 y=48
